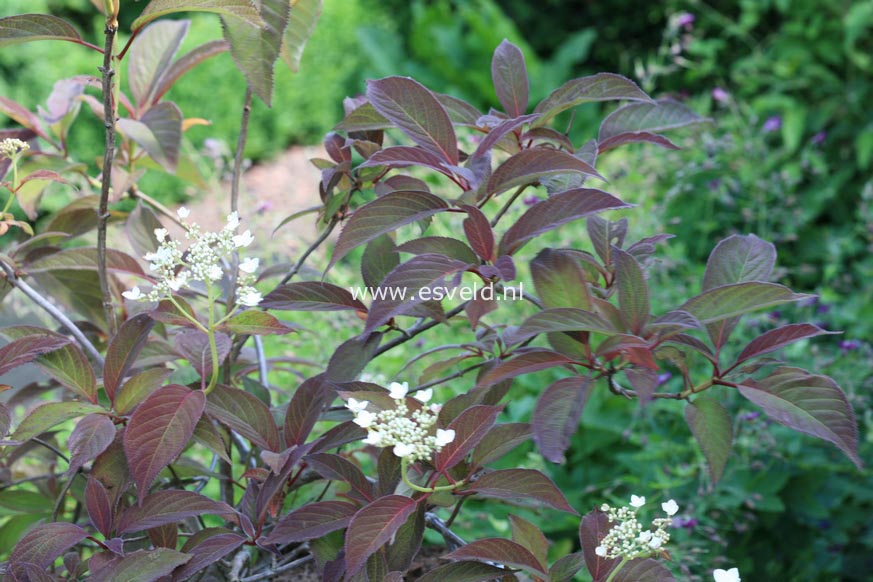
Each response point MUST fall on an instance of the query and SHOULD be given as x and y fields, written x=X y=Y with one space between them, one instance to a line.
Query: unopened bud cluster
x=11 y=147
x=627 y=538
x=410 y=434
x=174 y=269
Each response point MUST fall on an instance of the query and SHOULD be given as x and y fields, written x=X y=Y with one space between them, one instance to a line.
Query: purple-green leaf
x=193 y=345
x=256 y=322
x=158 y=132
x=313 y=520
x=501 y=439
x=651 y=117
x=140 y=566
x=304 y=409
x=244 y=9
x=592 y=529
x=138 y=387
x=643 y=570
x=565 y=568
x=92 y=436
x=140 y=228
x=463 y=571
x=374 y=526
x=25 y=350
x=49 y=415
x=185 y=63
x=736 y=299
x=99 y=506
x=529 y=536
x=164 y=507
x=404 y=156
x=530 y=361
x=384 y=215
x=208 y=551
x=301 y=24
x=509 y=74
x=521 y=485
x=557 y=413
x=417 y=112
x=158 y=431
x=29 y=27
x=471 y=427
x=439 y=245
x=559 y=319
x=738 y=259
x=633 y=292
x=479 y=233
x=780 y=337
x=530 y=165
x=45 y=543
x=336 y=468
x=124 y=349
x=560 y=280
x=85 y=258
x=555 y=211
x=498 y=132
x=599 y=87
x=710 y=424
x=404 y=284
x=311 y=296
x=244 y=414
x=501 y=551
x=151 y=54
x=615 y=141
x=809 y=403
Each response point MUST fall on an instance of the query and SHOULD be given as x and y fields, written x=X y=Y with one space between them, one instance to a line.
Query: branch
x=270 y=572
x=453 y=540
x=240 y=148
x=56 y=313
x=509 y=203
x=109 y=114
x=321 y=238
x=262 y=362
x=415 y=330
x=449 y=377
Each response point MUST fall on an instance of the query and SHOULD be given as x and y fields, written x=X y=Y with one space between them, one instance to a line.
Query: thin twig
x=52 y=448
x=240 y=150
x=417 y=329
x=453 y=540
x=56 y=313
x=135 y=192
x=60 y=500
x=262 y=362
x=299 y=264
x=267 y=574
x=508 y=204
x=108 y=157
x=449 y=377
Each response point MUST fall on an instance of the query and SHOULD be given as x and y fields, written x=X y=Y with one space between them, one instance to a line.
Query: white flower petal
x=655 y=542
x=644 y=536
x=670 y=507
x=243 y=240
x=600 y=551
x=183 y=213
x=444 y=437
x=423 y=395
x=232 y=220
x=161 y=234
x=637 y=501
x=374 y=437
x=403 y=450
x=364 y=418
x=356 y=406
x=133 y=294
x=732 y=575
x=249 y=265
x=249 y=296
x=397 y=391
x=215 y=273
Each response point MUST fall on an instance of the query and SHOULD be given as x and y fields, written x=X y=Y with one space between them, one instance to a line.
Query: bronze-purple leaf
x=470 y=428
x=383 y=215
x=533 y=360
x=45 y=543
x=643 y=570
x=416 y=112
x=439 y=245
x=529 y=166
x=557 y=413
x=140 y=566
x=464 y=571
x=336 y=468
x=559 y=319
x=729 y=301
x=633 y=291
x=710 y=424
x=648 y=116
x=193 y=345
x=311 y=296
x=256 y=322
x=163 y=507
x=244 y=414
x=404 y=156
x=635 y=137
x=521 y=484
x=479 y=232
x=124 y=349
x=158 y=431
x=92 y=436
x=304 y=409
x=99 y=506
x=592 y=529
x=24 y=350
x=501 y=439
x=498 y=132
x=599 y=87
x=312 y=521
x=374 y=526
x=808 y=403
x=501 y=551
x=555 y=211
x=207 y=552
x=530 y=537
x=775 y=339
x=509 y=74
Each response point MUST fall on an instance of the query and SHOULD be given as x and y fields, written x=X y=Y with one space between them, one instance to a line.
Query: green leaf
x=50 y=415
x=373 y=526
x=124 y=349
x=150 y=56
x=255 y=322
x=244 y=9
x=138 y=387
x=531 y=165
x=633 y=292
x=158 y=132
x=28 y=27
x=557 y=413
x=710 y=424
x=501 y=551
x=301 y=25
x=384 y=215
x=529 y=536
x=244 y=414
x=255 y=49
x=560 y=280
x=140 y=566
x=600 y=87
x=738 y=259
x=733 y=300
x=509 y=74
x=380 y=257
x=416 y=112
x=159 y=430
x=521 y=485
x=808 y=403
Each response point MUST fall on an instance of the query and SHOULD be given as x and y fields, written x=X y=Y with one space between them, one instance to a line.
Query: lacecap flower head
x=627 y=538
x=410 y=434
x=203 y=260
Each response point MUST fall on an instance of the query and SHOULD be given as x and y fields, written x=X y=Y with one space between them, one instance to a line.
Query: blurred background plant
x=788 y=84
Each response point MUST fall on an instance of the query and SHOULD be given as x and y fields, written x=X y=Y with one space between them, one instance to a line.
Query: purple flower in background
x=531 y=200
x=772 y=124
x=664 y=378
x=721 y=95
x=850 y=345
x=687 y=522
x=749 y=416
x=819 y=138
x=685 y=20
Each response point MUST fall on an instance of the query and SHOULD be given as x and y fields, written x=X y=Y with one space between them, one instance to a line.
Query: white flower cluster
x=10 y=147
x=410 y=434
x=175 y=269
x=627 y=538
